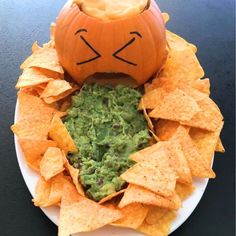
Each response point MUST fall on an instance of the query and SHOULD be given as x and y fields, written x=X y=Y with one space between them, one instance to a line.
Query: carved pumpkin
x=134 y=45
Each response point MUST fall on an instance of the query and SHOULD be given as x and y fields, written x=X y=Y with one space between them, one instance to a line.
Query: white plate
x=52 y=213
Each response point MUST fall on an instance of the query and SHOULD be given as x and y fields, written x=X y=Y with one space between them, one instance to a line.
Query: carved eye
x=115 y=54
x=88 y=45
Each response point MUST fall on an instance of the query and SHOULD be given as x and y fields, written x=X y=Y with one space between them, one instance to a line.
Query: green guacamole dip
x=107 y=127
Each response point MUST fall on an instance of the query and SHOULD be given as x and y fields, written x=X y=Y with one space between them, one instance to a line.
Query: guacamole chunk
x=107 y=127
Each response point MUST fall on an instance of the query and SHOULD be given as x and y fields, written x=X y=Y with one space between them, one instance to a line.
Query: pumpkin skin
x=135 y=46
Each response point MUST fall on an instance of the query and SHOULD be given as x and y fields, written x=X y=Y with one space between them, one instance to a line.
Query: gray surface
x=207 y=23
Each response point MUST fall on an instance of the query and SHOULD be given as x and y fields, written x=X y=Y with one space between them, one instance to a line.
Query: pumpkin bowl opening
x=112 y=79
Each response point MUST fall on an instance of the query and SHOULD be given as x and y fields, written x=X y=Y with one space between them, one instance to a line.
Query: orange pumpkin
x=135 y=45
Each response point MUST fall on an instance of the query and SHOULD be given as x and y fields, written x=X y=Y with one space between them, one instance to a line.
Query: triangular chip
x=43 y=58
x=155 y=214
x=220 y=146
x=137 y=194
x=133 y=216
x=49 y=193
x=165 y=17
x=161 y=228
x=184 y=190
x=52 y=99
x=34 y=150
x=177 y=106
x=79 y=214
x=198 y=165
x=52 y=163
x=182 y=65
x=59 y=133
x=150 y=124
x=202 y=85
x=31 y=77
x=154 y=174
x=113 y=195
x=209 y=118
x=55 y=88
x=206 y=142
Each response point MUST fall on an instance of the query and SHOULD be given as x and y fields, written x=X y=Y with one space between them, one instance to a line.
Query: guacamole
x=107 y=127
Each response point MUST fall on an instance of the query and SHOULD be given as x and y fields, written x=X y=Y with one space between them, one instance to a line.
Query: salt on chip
x=52 y=99
x=74 y=173
x=49 y=193
x=137 y=194
x=79 y=214
x=34 y=129
x=34 y=150
x=206 y=142
x=220 y=146
x=198 y=165
x=52 y=163
x=184 y=190
x=161 y=228
x=59 y=133
x=113 y=195
x=154 y=174
x=133 y=216
x=209 y=118
x=55 y=88
x=182 y=66
x=165 y=129
x=32 y=77
x=177 y=106
x=43 y=58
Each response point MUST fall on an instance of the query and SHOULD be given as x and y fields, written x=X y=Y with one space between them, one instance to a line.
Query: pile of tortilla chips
x=183 y=119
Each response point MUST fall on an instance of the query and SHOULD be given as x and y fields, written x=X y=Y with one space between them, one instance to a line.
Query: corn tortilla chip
x=55 y=88
x=59 y=133
x=79 y=214
x=155 y=214
x=154 y=174
x=52 y=163
x=198 y=165
x=219 y=146
x=206 y=142
x=166 y=17
x=32 y=77
x=177 y=106
x=202 y=85
x=52 y=30
x=150 y=124
x=182 y=66
x=137 y=194
x=113 y=195
x=133 y=216
x=165 y=129
x=34 y=150
x=161 y=228
x=43 y=58
x=184 y=190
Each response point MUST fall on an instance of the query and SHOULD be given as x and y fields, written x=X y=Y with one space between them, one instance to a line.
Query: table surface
x=207 y=23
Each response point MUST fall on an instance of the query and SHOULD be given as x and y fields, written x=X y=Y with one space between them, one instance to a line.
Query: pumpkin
x=134 y=45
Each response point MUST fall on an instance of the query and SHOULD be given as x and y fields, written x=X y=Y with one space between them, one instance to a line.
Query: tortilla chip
x=154 y=174
x=154 y=136
x=34 y=150
x=165 y=129
x=177 y=106
x=161 y=228
x=49 y=193
x=166 y=17
x=52 y=163
x=43 y=58
x=35 y=47
x=34 y=107
x=31 y=77
x=55 y=88
x=133 y=216
x=209 y=118
x=206 y=142
x=184 y=190
x=29 y=91
x=155 y=214
x=59 y=133
x=150 y=124
x=53 y=99
x=31 y=129
x=74 y=173
x=182 y=66
x=175 y=42
x=220 y=146
x=198 y=165
x=65 y=104
x=52 y=30
x=137 y=194
x=79 y=214
x=152 y=99
x=202 y=85
x=113 y=195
